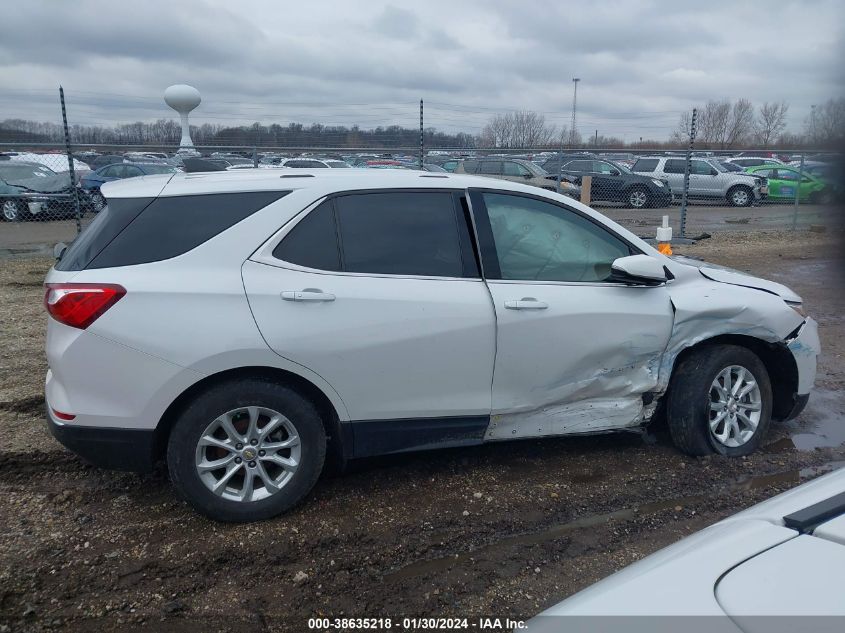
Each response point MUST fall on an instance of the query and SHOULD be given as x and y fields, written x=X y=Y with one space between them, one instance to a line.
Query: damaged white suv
x=245 y=326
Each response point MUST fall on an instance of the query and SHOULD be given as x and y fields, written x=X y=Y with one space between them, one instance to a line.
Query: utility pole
x=421 y=133
x=596 y=141
x=813 y=124
x=575 y=81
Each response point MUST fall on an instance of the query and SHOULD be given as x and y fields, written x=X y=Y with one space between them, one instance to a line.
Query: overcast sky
x=640 y=62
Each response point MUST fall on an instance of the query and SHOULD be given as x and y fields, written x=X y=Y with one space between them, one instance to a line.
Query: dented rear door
x=574 y=352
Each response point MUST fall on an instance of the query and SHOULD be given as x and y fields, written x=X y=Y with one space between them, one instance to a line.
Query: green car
x=783 y=180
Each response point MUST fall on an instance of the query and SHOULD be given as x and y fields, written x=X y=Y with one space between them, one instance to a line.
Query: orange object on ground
x=664 y=248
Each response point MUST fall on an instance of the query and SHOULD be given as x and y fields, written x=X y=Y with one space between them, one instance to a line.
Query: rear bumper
x=116 y=449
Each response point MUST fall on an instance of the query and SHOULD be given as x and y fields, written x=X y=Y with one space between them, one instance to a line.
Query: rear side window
x=674 y=166
x=471 y=166
x=138 y=231
x=645 y=164
x=313 y=241
x=105 y=227
x=402 y=233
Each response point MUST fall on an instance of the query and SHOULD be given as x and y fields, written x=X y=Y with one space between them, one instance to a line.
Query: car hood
x=43 y=184
x=725 y=275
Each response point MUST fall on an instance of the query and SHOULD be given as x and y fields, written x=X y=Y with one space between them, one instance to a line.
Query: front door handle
x=307 y=295
x=526 y=303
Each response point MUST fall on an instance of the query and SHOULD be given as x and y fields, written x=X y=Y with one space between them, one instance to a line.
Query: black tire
x=689 y=400
x=638 y=198
x=193 y=421
x=12 y=210
x=742 y=201
x=98 y=201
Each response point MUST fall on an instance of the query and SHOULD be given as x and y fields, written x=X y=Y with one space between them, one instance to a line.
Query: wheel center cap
x=732 y=406
x=249 y=453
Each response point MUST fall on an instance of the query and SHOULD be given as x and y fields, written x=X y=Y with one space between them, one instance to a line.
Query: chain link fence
x=44 y=202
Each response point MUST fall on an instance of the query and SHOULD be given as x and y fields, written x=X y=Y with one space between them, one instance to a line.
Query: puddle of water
x=822 y=425
x=438 y=565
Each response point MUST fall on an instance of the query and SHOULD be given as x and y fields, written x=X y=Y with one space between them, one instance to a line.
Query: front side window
x=470 y=166
x=580 y=166
x=786 y=174
x=400 y=233
x=702 y=168
x=541 y=241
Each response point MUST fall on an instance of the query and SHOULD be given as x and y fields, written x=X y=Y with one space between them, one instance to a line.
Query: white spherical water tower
x=183 y=99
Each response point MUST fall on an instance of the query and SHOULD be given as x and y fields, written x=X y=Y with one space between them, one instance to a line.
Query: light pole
x=575 y=81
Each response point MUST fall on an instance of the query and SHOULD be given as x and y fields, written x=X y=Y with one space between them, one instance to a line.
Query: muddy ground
x=502 y=530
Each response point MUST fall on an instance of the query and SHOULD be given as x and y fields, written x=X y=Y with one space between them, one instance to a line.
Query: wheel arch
x=777 y=359
x=339 y=438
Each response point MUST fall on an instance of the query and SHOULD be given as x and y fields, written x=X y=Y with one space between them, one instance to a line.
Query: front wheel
x=740 y=196
x=719 y=401
x=13 y=210
x=246 y=450
x=98 y=202
x=638 y=198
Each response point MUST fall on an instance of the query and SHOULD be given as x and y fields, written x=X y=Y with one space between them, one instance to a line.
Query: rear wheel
x=12 y=210
x=740 y=196
x=246 y=450
x=720 y=401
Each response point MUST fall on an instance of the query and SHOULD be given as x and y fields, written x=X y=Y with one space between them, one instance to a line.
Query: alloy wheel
x=735 y=406
x=10 y=210
x=740 y=197
x=637 y=199
x=248 y=454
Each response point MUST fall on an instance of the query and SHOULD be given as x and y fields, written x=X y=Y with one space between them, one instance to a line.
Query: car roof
x=199 y=183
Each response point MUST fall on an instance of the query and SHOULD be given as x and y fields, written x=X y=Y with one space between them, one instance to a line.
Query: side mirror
x=616 y=172
x=638 y=270
x=59 y=250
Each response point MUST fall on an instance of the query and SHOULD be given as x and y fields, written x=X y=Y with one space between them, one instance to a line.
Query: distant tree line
x=167 y=132
x=729 y=124
x=721 y=124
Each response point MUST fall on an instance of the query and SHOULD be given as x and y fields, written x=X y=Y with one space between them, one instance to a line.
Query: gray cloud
x=369 y=62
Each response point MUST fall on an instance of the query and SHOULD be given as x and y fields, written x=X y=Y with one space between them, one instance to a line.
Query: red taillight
x=63 y=416
x=79 y=305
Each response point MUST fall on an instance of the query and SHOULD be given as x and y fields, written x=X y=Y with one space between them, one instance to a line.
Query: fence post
x=255 y=157
x=421 y=134
x=687 y=167
x=797 y=190
x=70 y=162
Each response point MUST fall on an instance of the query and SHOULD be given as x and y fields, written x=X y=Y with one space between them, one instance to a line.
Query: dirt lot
x=501 y=530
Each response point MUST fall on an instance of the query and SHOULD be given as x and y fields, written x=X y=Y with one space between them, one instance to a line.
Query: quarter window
x=313 y=241
x=540 y=241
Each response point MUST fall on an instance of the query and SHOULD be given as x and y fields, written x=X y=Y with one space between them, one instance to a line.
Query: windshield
x=159 y=169
x=717 y=166
x=21 y=171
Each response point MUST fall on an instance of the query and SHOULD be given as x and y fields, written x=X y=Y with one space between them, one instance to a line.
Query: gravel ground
x=498 y=530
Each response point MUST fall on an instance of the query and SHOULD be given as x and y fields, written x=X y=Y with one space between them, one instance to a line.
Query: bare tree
x=518 y=129
x=770 y=122
x=720 y=123
x=825 y=127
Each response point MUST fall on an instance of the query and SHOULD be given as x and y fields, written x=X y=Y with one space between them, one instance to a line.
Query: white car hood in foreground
x=750 y=564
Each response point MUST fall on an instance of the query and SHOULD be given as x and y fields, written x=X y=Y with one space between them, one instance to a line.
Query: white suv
x=246 y=325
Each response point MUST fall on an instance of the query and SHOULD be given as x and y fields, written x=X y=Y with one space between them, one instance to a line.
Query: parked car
x=516 y=170
x=612 y=182
x=782 y=557
x=105 y=159
x=34 y=191
x=707 y=180
x=752 y=162
x=250 y=326
x=92 y=181
x=783 y=180
x=303 y=163
x=56 y=162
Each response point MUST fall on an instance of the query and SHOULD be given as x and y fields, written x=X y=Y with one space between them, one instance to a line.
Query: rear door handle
x=526 y=303
x=307 y=295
